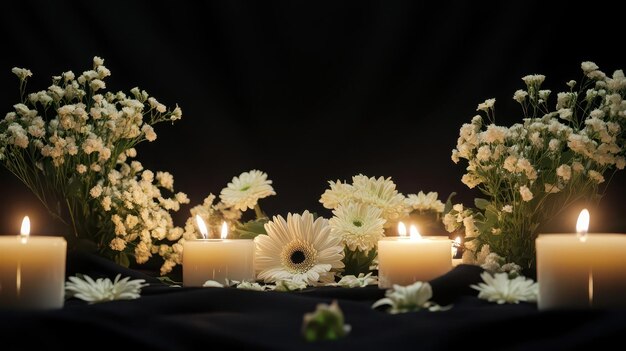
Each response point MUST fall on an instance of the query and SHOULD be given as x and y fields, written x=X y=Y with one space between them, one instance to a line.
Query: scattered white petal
x=103 y=289
x=410 y=298
x=499 y=288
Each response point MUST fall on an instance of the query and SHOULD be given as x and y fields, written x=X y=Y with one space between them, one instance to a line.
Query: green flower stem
x=258 y=212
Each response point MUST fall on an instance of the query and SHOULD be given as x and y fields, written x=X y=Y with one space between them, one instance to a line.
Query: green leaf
x=448 y=206
x=251 y=229
x=73 y=186
x=122 y=259
x=481 y=203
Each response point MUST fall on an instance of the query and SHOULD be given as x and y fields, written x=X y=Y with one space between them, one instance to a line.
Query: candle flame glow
x=415 y=234
x=401 y=229
x=25 y=230
x=582 y=225
x=202 y=227
x=224 y=230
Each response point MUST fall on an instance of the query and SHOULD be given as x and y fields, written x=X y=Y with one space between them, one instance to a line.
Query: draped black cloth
x=175 y=318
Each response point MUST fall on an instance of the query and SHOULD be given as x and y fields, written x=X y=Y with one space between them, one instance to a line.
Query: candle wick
x=582 y=236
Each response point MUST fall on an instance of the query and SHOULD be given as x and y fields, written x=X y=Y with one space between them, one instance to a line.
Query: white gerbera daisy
x=499 y=288
x=102 y=290
x=425 y=202
x=381 y=193
x=359 y=225
x=244 y=191
x=299 y=249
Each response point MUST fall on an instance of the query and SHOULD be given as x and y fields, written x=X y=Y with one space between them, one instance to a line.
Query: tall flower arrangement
x=73 y=146
x=533 y=170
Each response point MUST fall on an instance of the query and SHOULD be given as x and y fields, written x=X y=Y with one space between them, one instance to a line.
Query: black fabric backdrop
x=310 y=91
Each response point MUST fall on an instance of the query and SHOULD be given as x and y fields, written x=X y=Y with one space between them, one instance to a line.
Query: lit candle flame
x=401 y=229
x=582 y=225
x=202 y=227
x=25 y=230
x=415 y=234
x=224 y=230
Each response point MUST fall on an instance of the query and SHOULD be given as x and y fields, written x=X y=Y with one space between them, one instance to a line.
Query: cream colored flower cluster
x=73 y=144
x=362 y=210
x=532 y=169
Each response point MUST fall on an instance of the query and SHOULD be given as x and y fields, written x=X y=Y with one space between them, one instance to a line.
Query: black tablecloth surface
x=174 y=318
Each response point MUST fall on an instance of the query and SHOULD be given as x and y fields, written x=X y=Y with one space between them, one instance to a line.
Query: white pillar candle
x=581 y=271
x=32 y=270
x=217 y=259
x=404 y=260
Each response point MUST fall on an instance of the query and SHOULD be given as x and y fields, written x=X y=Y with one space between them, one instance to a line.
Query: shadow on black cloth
x=171 y=318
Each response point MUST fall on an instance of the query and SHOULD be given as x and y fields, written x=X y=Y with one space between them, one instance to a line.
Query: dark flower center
x=297 y=257
x=357 y=223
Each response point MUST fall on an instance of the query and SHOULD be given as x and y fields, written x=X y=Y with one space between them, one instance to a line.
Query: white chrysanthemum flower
x=588 y=66
x=244 y=192
x=103 y=289
x=338 y=193
x=499 y=288
x=351 y=281
x=360 y=226
x=409 y=298
x=425 y=202
x=299 y=248
x=381 y=193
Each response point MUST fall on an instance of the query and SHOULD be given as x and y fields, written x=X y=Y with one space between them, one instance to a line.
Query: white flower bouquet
x=533 y=170
x=72 y=145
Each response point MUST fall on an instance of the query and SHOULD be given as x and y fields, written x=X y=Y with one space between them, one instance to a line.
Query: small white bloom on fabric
x=117 y=244
x=500 y=289
x=595 y=176
x=527 y=195
x=244 y=192
x=325 y=323
x=212 y=284
x=411 y=298
x=359 y=225
x=245 y=285
x=289 y=285
x=520 y=96
x=351 y=281
x=565 y=172
x=507 y=208
x=298 y=248
x=103 y=289
x=486 y=106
